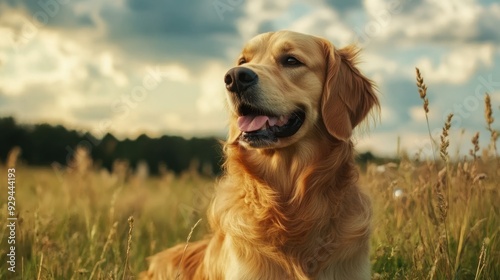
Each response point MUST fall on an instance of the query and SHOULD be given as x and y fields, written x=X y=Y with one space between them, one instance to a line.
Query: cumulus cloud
x=459 y=65
x=326 y=23
x=260 y=12
x=437 y=21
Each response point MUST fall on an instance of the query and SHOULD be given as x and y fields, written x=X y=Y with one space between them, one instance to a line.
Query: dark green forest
x=44 y=144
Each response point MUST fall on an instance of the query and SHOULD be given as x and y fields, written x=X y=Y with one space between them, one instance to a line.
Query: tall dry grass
x=81 y=222
x=443 y=222
x=435 y=218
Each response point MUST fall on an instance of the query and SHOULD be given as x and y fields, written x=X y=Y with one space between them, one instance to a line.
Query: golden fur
x=290 y=210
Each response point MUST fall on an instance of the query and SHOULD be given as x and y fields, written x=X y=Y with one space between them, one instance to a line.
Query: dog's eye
x=241 y=61
x=291 y=61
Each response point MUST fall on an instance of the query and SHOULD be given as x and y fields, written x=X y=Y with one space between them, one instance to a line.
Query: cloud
x=259 y=16
x=343 y=6
x=211 y=98
x=168 y=31
x=108 y=69
x=34 y=103
x=145 y=31
x=320 y=18
x=326 y=23
x=487 y=28
x=437 y=21
x=48 y=59
x=398 y=94
x=50 y=13
x=458 y=65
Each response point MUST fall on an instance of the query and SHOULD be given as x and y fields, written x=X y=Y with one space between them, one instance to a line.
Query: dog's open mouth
x=259 y=128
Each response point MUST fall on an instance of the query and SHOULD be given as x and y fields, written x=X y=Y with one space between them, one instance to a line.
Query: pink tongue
x=253 y=123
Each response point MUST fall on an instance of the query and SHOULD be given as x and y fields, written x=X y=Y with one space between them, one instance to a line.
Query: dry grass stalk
x=129 y=244
x=445 y=142
x=482 y=259
x=111 y=234
x=494 y=138
x=442 y=201
x=488 y=115
x=112 y=204
x=471 y=172
x=101 y=261
x=433 y=268
x=475 y=142
x=441 y=252
x=461 y=239
x=487 y=111
x=40 y=270
x=422 y=89
x=177 y=274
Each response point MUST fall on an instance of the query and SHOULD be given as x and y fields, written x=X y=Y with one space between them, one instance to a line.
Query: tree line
x=45 y=144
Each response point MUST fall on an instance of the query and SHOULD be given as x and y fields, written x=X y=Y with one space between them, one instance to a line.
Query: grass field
x=74 y=224
x=433 y=219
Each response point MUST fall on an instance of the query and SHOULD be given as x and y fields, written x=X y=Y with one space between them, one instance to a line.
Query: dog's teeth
x=282 y=120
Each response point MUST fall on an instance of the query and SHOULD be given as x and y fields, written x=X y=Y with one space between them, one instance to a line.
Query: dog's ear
x=348 y=96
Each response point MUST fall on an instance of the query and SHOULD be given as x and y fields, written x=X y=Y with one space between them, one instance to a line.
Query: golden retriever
x=288 y=205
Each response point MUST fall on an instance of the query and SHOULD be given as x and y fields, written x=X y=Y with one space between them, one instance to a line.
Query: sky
x=156 y=66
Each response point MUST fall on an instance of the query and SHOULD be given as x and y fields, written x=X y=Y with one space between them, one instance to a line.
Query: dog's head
x=286 y=84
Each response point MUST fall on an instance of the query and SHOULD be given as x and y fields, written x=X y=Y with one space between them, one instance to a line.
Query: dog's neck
x=294 y=176
x=288 y=170
x=284 y=195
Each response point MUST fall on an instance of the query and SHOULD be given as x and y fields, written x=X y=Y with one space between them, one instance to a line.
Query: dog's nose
x=238 y=79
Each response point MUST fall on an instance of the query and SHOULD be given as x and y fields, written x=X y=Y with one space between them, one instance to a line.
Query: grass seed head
x=445 y=143
x=475 y=142
x=487 y=111
x=422 y=90
x=442 y=201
